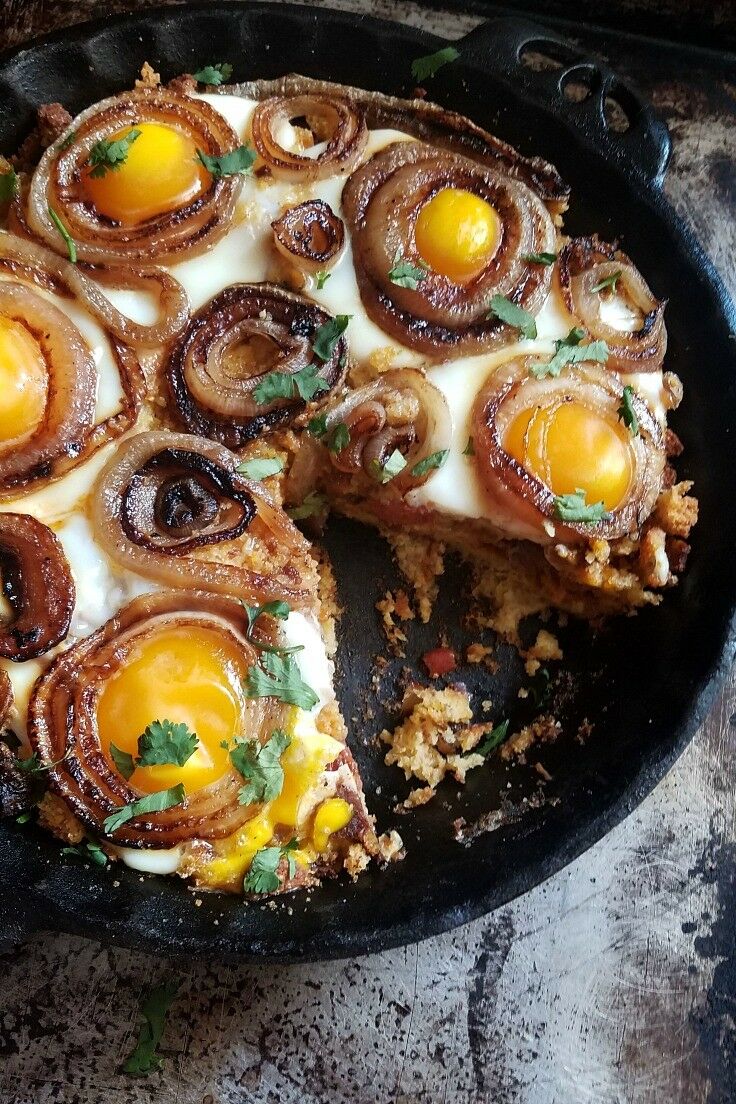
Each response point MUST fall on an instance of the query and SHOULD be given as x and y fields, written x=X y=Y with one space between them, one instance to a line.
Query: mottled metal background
x=613 y=983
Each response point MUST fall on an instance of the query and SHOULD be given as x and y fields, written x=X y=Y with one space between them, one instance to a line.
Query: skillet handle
x=643 y=148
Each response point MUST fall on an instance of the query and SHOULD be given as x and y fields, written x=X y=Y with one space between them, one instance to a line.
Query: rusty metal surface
x=613 y=983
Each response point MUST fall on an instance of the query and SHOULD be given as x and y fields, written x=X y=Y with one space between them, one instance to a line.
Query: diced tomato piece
x=439 y=661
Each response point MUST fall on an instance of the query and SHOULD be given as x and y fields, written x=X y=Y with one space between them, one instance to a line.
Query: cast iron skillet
x=646 y=682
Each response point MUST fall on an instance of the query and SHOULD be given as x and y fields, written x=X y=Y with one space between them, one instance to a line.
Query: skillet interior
x=646 y=682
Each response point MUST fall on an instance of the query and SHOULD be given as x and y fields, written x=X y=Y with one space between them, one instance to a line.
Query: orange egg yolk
x=570 y=447
x=185 y=675
x=161 y=172
x=23 y=381
x=457 y=233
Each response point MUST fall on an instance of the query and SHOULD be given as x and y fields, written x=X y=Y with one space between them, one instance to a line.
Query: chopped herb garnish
x=540 y=258
x=626 y=411
x=304 y=384
x=608 y=282
x=262 y=876
x=123 y=760
x=23 y=818
x=494 y=738
x=395 y=464
x=321 y=278
x=339 y=438
x=513 y=315
x=541 y=687
x=573 y=507
x=435 y=460
x=424 y=67
x=278 y=676
x=327 y=336
x=70 y=246
x=105 y=157
x=405 y=274
x=568 y=350
x=88 y=850
x=151 y=803
x=8 y=185
x=317 y=426
x=261 y=467
x=278 y=609
x=214 y=74
x=66 y=141
x=469 y=449
x=154 y=1010
x=235 y=161
x=314 y=503
x=165 y=742
x=31 y=764
x=260 y=766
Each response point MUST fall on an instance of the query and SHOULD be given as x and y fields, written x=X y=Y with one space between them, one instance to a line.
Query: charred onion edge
x=62 y=725
x=582 y=264
x=6 y=695
x=189 y=230
x=342 y=151
x=292 y=234
x=231 y=309
x=269 y=526
x=500 y=472
x=38 y=583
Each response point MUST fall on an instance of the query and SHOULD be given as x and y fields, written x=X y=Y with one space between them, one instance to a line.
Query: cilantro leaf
x=608 y=282
x=262 y=876
x=339 y=438
x=239 y=160
x=154 y=1010
x=322 y=278
x=304 y=384
x=260 y=766
x=405 y=274
x=513 y=315
x=93 y=852
x=261 y=467
x=166 y=742
x=278 y=609
x=278 y=676
x=150 y=803
x=31 y=764
x=70 y=245
x=8 y=185
x=328 y=334
x=540 y=258
x=313 y=504
x=573 y=507
x=66 y=141
x=214 y=74
x=123 y=760
x=424 y=67
x=626 y=411
x=568 y=350
x=434 y=460
x=469 y=449
x=105 y=157
x=395 y=464
x=493 y=740
x=317 y=426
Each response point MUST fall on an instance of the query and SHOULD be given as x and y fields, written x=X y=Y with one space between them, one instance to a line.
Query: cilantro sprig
x=260 y=467
x=278 y=676
x=608 y=282
x=392 y=467
x=214 y=74
x=105 y=157
x=321 y=279
x=304 y=384
x=422 y=68
x=262 y=876
x=493 y=740
x=626 y=411
x=434 y=460
x=573 y=507
x=239 y=160
x=339 y=438
x=8 y=185
x=87 y=850
x=328 y=335
x=540 y=258
x=162 y=743
x=71 y=247
x=315 y=503
x=154 y=1011
x=150 y=803
x=260 y=767
x=513 y=315
x=570 y=350
x=405 y=274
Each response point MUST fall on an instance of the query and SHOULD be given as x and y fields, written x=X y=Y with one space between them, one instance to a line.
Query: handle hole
x=578 y=84
x=545 y=55
x=621 y=108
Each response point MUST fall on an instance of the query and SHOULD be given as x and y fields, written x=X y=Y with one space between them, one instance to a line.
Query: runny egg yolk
x=23 y=381
x=570 y=447
x=457 y=233
x=160 y=173
x=181 y=674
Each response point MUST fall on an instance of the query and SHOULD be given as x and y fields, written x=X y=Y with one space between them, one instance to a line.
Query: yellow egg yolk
x=185 y=675
x=570 y=447
x=23 y=381
x=457 y=233
x=160 y=173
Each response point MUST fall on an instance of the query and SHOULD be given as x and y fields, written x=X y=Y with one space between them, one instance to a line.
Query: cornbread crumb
x=654 y=566
x=545 y=648
x=149 y=78
x=676 y=510
x=393 y=608
x=55 y=815
x=419 y=796
x=391 y=847
x=544 y=730
x=421 y=560
x=330 y=721
x=356 y=860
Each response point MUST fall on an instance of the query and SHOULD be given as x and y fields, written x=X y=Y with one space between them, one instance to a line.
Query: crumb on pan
x=56 y=817
x=421 y=795
x=356 y=860
x=544 y=649
x=395 y=607
x=391 y=847
x=149 y=78
x=421 y=562
x=544 y=730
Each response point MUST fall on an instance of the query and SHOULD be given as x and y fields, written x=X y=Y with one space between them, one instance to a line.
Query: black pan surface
x=646 y=682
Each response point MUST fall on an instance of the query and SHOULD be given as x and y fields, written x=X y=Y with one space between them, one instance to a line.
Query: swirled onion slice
x=107 y=232
x=38 y=585
x=57 y=430
x=515 y=412
x=330 y=118
x=69 y=728
x=585 y=264
x=231 y=345
x=310 y=235
x=164 y=502
x=400 y=411
x=435 y=314
x=6 y=695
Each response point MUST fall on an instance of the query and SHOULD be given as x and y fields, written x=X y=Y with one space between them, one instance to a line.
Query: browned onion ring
x=164 y=239
x=63 y=726
x=218 y=403
x=38 y=584
x=399 y=410
x=6 y=695
x=523 y=504
x=381 y=202
x=163 y=495
x=583 y=263
x=345 y=125
x=310 y=235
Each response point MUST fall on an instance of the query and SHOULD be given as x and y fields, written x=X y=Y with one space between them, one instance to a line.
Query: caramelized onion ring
x=163 y=239
x=163 y=495
x=214 y=399
x=524 y=505
x=310 y=235
x=583 y=264
x=332 y=115
x=6 y=695
x=381 y=203
x=38 y=584
x=399 y=410
x=63 y=724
